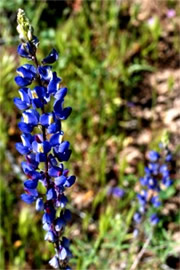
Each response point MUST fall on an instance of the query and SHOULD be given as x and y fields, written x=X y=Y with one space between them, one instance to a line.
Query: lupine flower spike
x=42 y=140
x=157 y=177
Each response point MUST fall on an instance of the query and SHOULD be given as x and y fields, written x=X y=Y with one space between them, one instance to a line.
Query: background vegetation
x=119 y=60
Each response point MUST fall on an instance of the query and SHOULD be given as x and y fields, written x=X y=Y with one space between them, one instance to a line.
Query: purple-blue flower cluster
x=42 y=143
x=157 y=177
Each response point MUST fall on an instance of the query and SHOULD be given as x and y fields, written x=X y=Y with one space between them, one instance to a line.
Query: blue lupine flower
x=154 y=219
x=53 y=84
x=62 y=201
x=25 y=50
x=27 y=74
x=155 y=201
x=54 y=262
x=23 y=150
x=27 y=71
x=39 y=204
x=31 y=183
x=51 y=194
x=60 y=112
x=142 y=197
x=152 y=183
x=56 y=139
x=167 y=181
x=116 y=192
x=62 y=151
x=47 y=145
x=45 y=73
x=38 y=96
x=24 y=102
x=154 y=168
x=61 y=93
x=59 y=224
x=50 y=236
x=54 y=171
x=28 y=198
x=153 y=156
x=60 y=181
x=51 y=58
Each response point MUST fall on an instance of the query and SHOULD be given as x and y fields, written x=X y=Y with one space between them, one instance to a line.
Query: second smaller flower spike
x=156 y=178
x=51 y=58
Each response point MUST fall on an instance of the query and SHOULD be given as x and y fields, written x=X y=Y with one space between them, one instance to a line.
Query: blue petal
x=51 y=58
x=27 y=198
x=46 y=119
x=153 y=156
x=54 y=171
x=54 y=262
x=49 y=217
x=50 y=236
x=53 y=128
x=32 y=191
x=62 y=156
x=64 y=146
x=22 y=81
x=21 y=105
x=53 y=161
x=65 y=242
x=25 y=128
x=56 y=138
x=53 y=84
x=45 y=72
x=27 y=166
x=61 y=93
x=60 y=223
x=31 y=184
x=62 y=113
x=40 y=91
x=62 y=201
x=27 y=139
x=40 y=157
x=60 y=181
x=23 y=150
x=67 y=215
x=27 y=71
x=24 y=50
x=23 y=92
x=34 y=175
x=71 y=180
x=59 y=111
x=47 y=147
x=62 y=254
x=154 y=219
x=39 y=204
x=51 y=194
x=31 y=117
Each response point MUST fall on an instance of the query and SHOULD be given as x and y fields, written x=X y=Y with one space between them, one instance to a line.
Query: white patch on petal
x=40 y=148
x=34 y=94
x=26 y=119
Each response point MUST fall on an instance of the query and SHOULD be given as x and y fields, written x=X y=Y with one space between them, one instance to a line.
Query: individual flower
x=116 y=192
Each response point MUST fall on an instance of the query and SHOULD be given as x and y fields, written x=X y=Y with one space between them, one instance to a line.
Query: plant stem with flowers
x=42 y=140
x=156 y=179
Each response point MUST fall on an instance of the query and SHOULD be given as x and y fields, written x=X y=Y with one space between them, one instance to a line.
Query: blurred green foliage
x=105 y=50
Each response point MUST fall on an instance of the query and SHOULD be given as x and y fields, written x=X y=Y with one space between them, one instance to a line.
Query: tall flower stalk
x=42 y=140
